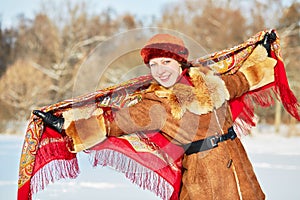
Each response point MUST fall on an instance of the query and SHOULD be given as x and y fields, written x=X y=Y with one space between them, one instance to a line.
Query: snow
x=276 y=161
x=275 y=158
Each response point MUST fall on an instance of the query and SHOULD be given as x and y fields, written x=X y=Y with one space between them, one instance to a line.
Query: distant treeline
x=39 y=56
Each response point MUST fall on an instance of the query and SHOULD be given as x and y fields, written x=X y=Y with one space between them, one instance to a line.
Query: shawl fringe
x=54 y=171
x=264 y=96
x=45 y=157
x=282 y=89
x=247 y=119
x=135 y=172
x=53 y=161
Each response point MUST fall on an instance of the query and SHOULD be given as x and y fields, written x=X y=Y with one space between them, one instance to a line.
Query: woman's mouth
x=164 y=78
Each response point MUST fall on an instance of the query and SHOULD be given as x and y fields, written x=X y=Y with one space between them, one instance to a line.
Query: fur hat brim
x=167 y=50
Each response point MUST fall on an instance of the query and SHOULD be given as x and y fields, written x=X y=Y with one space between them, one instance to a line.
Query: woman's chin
x=167 y=84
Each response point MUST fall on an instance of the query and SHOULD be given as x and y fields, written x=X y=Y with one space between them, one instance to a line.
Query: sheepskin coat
x=193 y=109
x=188 y=113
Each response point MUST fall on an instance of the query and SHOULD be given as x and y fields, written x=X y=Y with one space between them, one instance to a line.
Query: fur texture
x=165 y=45
x=259 y=68
x=208 y=93
x=80 y=113
x=85 y=133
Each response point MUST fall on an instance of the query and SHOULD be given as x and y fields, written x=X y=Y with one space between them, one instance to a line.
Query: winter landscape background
x=275 y=157
x=276 y=160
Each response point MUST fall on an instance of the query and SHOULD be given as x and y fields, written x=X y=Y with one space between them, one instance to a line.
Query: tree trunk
x=277 y=116
x=292 y=128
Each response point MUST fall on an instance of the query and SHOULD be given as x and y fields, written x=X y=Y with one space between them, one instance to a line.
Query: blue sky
x=10 y=9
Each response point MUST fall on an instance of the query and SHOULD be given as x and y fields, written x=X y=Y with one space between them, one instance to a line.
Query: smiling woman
x=165 y=54
x=166 y=71
x=180 y=141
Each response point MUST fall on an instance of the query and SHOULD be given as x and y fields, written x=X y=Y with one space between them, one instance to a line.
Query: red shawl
x=45 y=157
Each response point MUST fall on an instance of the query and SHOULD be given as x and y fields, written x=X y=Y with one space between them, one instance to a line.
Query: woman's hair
x=185 y=65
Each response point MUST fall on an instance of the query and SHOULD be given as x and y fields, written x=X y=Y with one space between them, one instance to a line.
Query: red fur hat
x=164 y=45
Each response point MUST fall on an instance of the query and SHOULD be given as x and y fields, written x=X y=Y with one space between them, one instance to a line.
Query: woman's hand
x=50 y=120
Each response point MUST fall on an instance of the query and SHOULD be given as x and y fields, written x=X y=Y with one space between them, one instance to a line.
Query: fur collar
x=208 y=93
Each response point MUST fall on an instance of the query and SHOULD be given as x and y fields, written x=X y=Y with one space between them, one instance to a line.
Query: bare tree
x=6 y=48
x=212 y=25
x=59 y=51
x=23 y=88
x=58 y=40
x=48 y=51
x=219 y=25
x=289 y=28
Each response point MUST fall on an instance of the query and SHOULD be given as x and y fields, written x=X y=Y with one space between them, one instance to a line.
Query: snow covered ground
x=276 y=160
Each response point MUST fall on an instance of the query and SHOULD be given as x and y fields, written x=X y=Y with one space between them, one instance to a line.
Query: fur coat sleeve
x=183 y=113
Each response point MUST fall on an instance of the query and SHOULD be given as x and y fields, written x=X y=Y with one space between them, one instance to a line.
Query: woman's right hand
x=50 y=120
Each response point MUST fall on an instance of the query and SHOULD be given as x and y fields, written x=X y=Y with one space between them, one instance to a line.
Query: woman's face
x=165 y=71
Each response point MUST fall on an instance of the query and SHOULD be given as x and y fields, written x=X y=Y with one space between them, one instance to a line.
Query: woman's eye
x=152 y=65
x=166 y=62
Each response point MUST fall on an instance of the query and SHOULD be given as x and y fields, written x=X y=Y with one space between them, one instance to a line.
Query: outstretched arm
x=236 y=84
x=257 y=71
x=96 y=127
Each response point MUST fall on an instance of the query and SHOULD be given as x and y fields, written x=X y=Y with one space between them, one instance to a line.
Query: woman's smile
x=165 y=77
x=165 y=71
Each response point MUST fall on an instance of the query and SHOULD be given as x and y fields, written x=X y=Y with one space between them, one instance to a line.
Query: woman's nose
x=160 y=69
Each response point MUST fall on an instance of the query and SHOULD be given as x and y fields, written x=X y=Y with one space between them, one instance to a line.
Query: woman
x=189 y=106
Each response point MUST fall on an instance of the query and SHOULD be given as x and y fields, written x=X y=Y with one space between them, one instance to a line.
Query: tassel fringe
x=139 y=175
x=54 y=171
x=247 y=118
